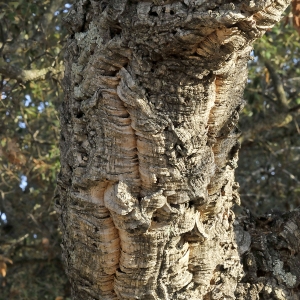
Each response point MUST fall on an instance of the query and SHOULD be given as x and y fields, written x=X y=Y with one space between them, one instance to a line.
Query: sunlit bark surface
x=149 y=146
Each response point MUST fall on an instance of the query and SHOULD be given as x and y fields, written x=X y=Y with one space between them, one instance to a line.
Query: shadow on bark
x=269 y=250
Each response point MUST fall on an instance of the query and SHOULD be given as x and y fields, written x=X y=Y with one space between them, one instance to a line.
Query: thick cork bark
x=149 y=145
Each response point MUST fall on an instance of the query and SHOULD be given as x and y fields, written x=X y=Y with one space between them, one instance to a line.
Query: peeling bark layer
x=149 y=145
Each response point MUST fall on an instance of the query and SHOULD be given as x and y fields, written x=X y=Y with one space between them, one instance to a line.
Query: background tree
x=268 y=172
x=31 y=43
x=31 y=37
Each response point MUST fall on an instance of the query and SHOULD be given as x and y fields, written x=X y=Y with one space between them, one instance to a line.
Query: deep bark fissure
x=153 y=92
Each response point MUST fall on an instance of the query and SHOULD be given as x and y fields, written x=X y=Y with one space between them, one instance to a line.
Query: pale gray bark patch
x=149 y=146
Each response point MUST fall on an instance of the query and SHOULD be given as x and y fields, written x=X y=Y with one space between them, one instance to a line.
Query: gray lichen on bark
x=149 y=145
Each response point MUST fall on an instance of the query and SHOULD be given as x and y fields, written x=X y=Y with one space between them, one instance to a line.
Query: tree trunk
x=149 y=145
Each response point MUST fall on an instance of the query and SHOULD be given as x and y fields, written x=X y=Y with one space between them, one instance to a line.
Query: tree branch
x=14 y=72
x=17 y=46
x=277 y=84
x=271 y=120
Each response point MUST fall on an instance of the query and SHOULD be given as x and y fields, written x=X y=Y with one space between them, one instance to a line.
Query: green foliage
x=268 y=170
x=31 y=38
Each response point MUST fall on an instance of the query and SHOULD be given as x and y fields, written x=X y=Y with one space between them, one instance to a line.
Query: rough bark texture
x=269 y=247
x=149 y=147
